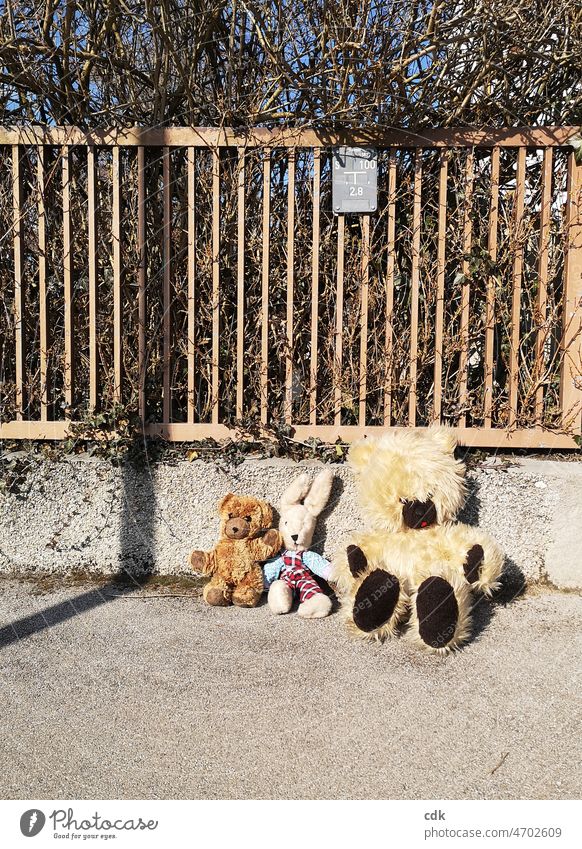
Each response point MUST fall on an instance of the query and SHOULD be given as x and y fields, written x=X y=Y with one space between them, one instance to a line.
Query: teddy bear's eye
x=247 y=518
x=230 y=515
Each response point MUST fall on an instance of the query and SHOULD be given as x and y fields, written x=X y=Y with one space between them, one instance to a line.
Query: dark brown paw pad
x=216 y=597
x=473 y=563
x=356 y=560
x=437 y=611
x=375 y=600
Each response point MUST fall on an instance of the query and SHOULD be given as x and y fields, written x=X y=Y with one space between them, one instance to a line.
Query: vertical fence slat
x=339 y=320
x=364 y=319
x=571 y=371
x=290 y=285
x=465 y=290
x=116 y=234
x=43 y=305
x=191 y=347
x=240 y=285
x=314 y=287
x=440 y=293
x=67 y=282
x=265 y=285
x=18 y=282
x=415 y=281
x=167 y=285
x=391 y=244
x=516 y=296
x=546 y=202
x=92 y=262
x=215 y=280
x=141 y=281
x=490 y=296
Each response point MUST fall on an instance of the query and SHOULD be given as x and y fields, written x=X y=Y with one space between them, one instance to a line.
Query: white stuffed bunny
x=291 y=571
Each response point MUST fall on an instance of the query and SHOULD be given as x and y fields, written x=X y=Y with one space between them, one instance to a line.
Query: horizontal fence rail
x=196 y=280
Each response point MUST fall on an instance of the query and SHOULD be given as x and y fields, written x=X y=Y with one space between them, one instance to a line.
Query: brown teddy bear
x=234 y=563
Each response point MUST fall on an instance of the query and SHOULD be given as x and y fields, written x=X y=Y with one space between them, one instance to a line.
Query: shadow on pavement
x=136 y=553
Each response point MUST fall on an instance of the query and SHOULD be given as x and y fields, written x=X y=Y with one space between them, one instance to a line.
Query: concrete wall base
x=85 y=514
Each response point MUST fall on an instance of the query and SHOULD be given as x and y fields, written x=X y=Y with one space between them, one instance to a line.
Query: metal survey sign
x=355 y=179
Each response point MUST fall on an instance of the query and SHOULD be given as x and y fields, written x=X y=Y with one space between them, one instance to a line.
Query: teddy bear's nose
x=419 y=514
x=294 y=537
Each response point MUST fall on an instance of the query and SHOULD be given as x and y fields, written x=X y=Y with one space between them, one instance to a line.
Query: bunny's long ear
x=319 y=492
x=295 y=492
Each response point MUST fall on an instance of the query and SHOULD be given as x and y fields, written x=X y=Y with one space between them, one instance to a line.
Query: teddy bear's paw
x=438 y=612
x=197 y=561
x=377 y=605
x=246 y=596
x=473 y=563
x=441 y=614
x=482 y=568
x=272 y=538
x=316 y=607
x=216 y=596
x=357 y=560
x=375 y=600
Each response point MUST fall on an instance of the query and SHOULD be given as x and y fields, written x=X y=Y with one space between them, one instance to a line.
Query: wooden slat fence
x=197 y=280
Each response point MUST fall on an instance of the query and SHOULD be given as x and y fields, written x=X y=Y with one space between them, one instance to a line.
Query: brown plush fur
x=234 y=563
x=392 y=472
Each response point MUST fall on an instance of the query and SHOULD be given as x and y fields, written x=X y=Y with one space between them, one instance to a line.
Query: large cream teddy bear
x=413 y=561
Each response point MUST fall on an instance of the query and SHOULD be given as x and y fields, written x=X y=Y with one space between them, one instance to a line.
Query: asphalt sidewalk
x=111 y=697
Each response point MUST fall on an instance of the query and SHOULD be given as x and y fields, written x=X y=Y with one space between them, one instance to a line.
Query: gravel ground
x=111 y=697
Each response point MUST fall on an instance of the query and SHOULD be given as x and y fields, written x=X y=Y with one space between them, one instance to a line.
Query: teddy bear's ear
x=443 y=437
x=223 y=503
x=360 y=453
x=319 y=493
x=295 y=492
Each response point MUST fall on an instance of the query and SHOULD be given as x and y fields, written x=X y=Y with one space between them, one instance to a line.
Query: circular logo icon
x=32 y=822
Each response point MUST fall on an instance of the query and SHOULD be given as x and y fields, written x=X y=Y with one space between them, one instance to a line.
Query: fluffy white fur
x=413 y=553
x=410 y=464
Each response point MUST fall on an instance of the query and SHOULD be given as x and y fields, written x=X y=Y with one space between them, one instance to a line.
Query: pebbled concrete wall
x=85 y=514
